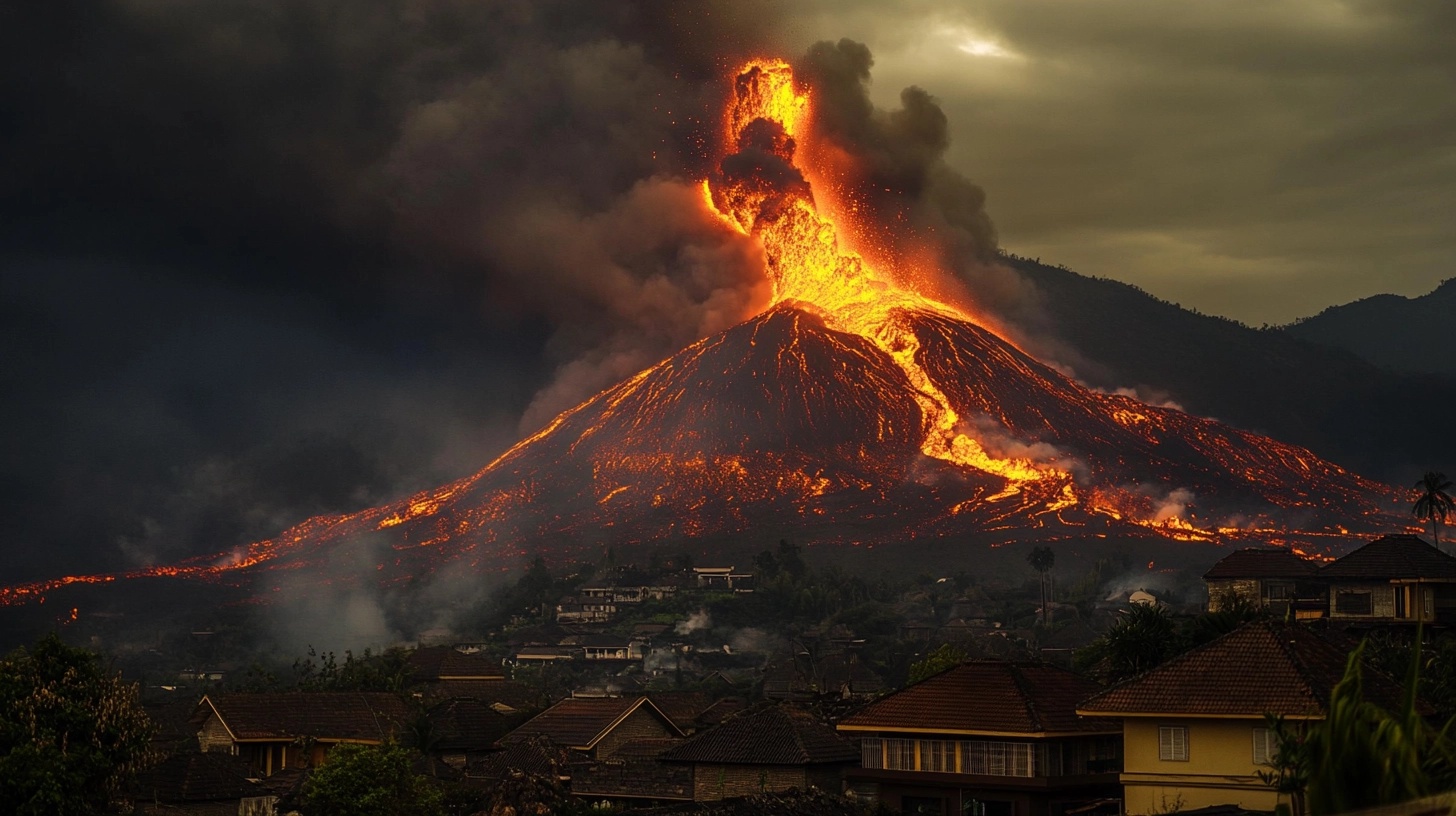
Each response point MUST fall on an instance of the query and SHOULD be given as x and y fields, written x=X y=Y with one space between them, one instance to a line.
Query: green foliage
x=71 y=733
x=1143 y=638
x=945 y=657
x=1361 y=755
x=361 y=780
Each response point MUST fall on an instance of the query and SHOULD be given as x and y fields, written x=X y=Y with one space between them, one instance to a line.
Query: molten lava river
x=855 y=410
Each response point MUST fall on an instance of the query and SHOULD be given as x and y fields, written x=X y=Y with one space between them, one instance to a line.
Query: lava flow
x=854 y=410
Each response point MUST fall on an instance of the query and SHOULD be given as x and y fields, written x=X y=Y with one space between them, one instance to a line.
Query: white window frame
x=1173 y=743
x=1266 y=745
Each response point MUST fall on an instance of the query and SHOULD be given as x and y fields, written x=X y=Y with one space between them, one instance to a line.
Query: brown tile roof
x=776 y=735
x=323 y=715
x=536 y=756
x=580 y=722
x=210 y=777
x=682 y=707
x=1261 y=562
x=448 y=663
x=1394 y=556
x=1260 y=668
x=986 y=696
x=721 y=710
x=467 y=725
x=506 y=692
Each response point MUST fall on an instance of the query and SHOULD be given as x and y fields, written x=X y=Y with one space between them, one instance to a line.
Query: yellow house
x=1194 y=729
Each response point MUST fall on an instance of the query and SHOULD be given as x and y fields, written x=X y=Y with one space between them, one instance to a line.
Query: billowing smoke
x=695 y=622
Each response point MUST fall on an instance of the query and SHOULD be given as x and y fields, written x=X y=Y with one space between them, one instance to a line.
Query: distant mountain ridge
x=1369 y=418
x=1392 y=331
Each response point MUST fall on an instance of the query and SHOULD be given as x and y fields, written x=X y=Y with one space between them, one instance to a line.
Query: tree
x=71 y=732
x=1142 y=638
x=1434 y=503
x=364 y=780
x=1041 y=559
x=943 y=658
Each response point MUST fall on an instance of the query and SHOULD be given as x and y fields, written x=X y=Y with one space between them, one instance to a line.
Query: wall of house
x=714 y=782
x=1220 y=767
x=214 y=736
x=640 y=724
x=1382 y=597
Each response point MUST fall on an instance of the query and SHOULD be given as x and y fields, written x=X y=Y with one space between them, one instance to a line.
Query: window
x=937 y=756
x=1173 y=743
x=900 y=754
x=872 y=753
x=1266 y=745
x=1279 y=592
x=1354 y=602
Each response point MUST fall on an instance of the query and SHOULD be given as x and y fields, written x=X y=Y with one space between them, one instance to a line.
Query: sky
x=269 y=258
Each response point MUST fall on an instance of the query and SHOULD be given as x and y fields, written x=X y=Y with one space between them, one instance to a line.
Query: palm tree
x=1041 y=559
x=1434 y=502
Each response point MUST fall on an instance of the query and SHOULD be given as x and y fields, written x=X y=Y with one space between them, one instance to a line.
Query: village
x=674 y=688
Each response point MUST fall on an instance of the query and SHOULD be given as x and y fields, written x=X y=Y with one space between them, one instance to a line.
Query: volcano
x=853 y=411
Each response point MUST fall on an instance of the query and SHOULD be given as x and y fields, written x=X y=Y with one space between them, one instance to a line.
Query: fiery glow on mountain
x=855 y=410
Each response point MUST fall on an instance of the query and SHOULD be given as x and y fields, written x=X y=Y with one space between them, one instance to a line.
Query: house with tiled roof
x=200 y=785
x=1271 y=577
x=989 y=737
x=1394 y=579
x=596 y=727
x=446 y=663
x=766 y=750
x=274 y=731
x=1194 y=730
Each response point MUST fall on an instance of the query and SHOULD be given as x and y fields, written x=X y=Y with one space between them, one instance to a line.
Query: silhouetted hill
x=1355 y=413
x=1416 y=335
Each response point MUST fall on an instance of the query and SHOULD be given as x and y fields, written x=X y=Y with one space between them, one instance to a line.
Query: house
x=723 y=578
x=634 y=776
x=576 y=609
x=431 y=664
x=596 y=726
x=274 y=731
x=767 y=750
x=1269 y=577
x=1394 y=579
x=200 y=785
x=987 y=737
x=800 y=675
x=1194 y=729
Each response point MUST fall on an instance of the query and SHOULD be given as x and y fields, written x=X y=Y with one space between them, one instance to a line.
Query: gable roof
x=1260 y=668
x=776 y=735
x=449 y=663
x=328 y=716
x=581 y=722
x=986 y=697
x=1392 y=556
x=1261 y=562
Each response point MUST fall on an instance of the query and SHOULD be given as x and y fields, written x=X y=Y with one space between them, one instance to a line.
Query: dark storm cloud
x=1256 y=159
x=265 y=259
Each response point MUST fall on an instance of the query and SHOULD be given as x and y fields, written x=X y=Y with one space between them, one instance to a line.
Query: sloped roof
x=537 y=756
x=682 y=707
x=322 y=715
x=581 y=722
x=1393 y=556
x=1261 y=562
x=509 y=692
x=1260 y=668
x=448 y=663
x=986 y=696
x=776 y=735
x=210 y=777
x=467 y=725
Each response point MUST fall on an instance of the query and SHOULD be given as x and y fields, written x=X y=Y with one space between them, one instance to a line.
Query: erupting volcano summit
x=854 y=410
